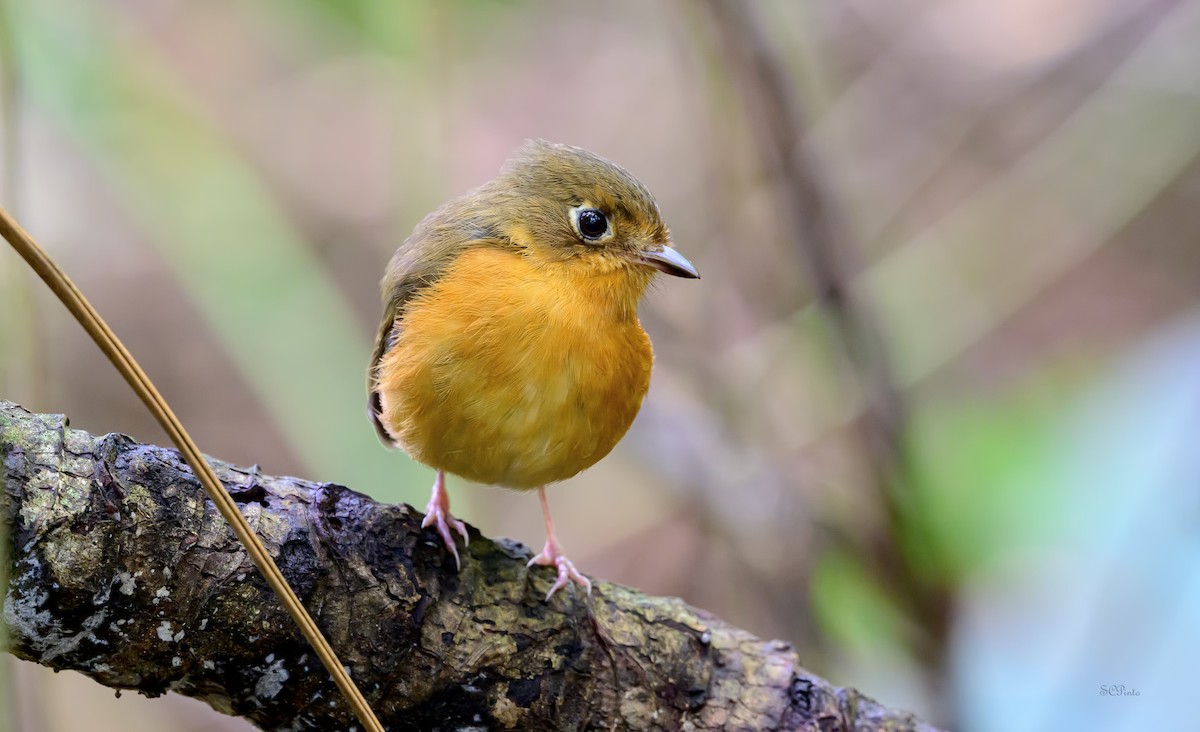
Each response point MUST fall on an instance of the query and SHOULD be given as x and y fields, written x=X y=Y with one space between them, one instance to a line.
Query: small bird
x=510 y=351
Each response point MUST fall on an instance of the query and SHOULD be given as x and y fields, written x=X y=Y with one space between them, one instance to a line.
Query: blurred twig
x=19 y=329
x=779 y=125
x=9 y=99
x=1007 y=128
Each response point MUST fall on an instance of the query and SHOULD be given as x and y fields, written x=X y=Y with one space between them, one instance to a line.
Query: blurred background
x=931 y=414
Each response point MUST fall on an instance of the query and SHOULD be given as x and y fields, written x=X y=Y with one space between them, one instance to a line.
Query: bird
x=510 y=351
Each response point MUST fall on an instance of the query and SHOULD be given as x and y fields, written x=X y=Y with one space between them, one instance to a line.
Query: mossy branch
x=120 y=568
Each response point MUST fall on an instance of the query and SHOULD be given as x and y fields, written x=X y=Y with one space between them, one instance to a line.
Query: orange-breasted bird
x=510 y=351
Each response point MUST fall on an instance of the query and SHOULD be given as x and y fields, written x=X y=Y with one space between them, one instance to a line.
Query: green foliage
x=979 y=492
x=234 y=252
x=980 y=489
x=850 y=608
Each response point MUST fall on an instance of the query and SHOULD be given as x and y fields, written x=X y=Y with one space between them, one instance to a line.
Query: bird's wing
x=384 y=340
x=418 y=264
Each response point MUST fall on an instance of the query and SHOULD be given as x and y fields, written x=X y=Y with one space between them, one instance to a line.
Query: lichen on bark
x=120 y=568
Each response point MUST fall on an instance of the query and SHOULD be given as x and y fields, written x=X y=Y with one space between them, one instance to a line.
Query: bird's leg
x=437 y=513
x=552 y=555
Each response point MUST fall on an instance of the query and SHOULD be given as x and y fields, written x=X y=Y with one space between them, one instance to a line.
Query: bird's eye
x=592 y=224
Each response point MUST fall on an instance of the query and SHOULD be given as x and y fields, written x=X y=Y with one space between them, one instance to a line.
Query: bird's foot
x=437 y=513
x=552 y=556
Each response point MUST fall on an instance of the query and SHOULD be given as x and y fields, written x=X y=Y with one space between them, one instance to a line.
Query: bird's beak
x=669 y=261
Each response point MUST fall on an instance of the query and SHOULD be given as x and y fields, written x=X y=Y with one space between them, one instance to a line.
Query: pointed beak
x=671 y=262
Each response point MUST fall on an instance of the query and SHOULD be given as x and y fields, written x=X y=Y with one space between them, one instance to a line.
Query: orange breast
x=516 y=372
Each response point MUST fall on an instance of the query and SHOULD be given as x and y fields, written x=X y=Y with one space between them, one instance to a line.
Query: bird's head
x=569 y=205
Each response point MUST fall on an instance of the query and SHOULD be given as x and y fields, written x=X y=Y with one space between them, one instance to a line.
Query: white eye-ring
x=591 y=224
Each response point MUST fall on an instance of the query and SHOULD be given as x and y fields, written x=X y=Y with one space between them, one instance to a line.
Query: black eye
x=592 y=223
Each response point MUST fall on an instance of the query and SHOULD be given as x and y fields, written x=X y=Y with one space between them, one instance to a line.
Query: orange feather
x=514 y=371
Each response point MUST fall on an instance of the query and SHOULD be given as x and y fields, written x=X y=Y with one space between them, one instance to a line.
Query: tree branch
x=121 y=569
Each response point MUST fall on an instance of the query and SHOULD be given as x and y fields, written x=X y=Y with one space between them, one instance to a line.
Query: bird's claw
x=438 y=515
x=552 y=556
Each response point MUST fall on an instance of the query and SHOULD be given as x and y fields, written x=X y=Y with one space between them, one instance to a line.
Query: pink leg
x=552 y=555
x=438 y=513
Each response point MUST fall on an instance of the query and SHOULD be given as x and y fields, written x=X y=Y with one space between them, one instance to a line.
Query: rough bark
x=120 y=568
